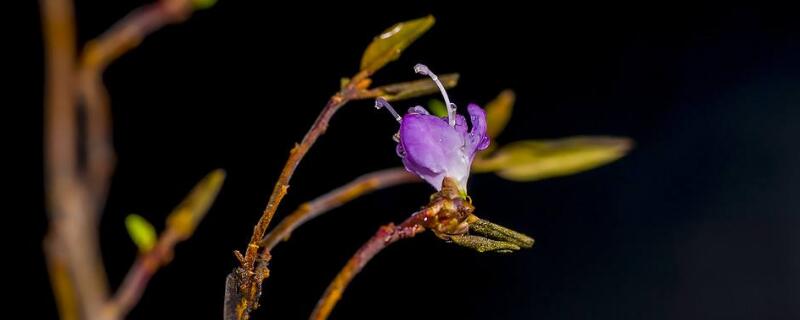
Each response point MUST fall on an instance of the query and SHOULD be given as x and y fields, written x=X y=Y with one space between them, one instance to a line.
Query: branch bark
x=71 y=244
x=385 y=236
x=76 y=192
x=362 y=185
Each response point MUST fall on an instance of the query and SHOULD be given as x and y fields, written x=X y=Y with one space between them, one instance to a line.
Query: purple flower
x=433 y=147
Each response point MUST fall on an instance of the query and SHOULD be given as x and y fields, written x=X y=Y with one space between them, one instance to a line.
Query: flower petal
x=477 y=138
x=432 y=149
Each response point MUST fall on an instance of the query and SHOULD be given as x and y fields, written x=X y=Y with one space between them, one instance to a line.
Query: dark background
x=700 y=221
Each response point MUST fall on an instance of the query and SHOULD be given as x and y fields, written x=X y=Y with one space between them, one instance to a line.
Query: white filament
x=451 y=110
x=382 y=103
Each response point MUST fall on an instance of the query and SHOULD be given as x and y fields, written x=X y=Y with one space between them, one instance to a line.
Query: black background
x=700 y=221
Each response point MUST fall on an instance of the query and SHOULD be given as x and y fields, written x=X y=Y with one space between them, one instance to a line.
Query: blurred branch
x=76 y=190
x=140 y=273
x=362 y=185
x=63 y=288
x=385 y=236
x=180 y=226
x=97 y=55
x=71 y=244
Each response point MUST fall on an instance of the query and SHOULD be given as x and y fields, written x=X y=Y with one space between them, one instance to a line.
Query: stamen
x=382 y=103
x=451 y=108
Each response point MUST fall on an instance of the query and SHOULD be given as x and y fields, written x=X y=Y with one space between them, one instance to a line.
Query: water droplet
x=400 y=151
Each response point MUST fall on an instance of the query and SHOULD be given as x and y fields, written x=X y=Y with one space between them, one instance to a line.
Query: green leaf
x=193 y=208
x=203 y=4
x=142 y=232
x=436 y=107
x=388 y=46
x=494 y=231
x=498 y=112
x=482 y=244
x=410 y=89
x=531 y=160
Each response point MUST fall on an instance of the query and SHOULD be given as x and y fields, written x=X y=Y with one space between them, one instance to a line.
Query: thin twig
x=362 y=185
x=140 y=273
x=251 y=285
x=97 y=55
x=385 y=236
x=254 y=261
x=446 y=214
x=181 y=224
x=296 y=155
x=279 y=191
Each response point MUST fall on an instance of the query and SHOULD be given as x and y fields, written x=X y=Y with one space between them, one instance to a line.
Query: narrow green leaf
x=203 y=4
x=498 y=112
x=436 y=107
x=141 y=231
x=185 y=217
x=410 y=89
x=388 y=46
x=531 y=160
x=482 y=244
x=497 y=232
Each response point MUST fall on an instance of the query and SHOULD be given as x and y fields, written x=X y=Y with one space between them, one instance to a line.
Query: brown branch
x=71 y=244
x=140 y=273
x=76 y=195
x=181 y=224
x=449 y=215
x=97 y=55
x=60 y=280
x=355 y=89
x=385 y=236
x=359 y=82
x=253 y=268
x=295 y=156
x=255 y=275
x=362 y=185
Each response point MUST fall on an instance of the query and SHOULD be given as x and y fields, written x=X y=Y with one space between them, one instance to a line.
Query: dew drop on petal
x=400 y=151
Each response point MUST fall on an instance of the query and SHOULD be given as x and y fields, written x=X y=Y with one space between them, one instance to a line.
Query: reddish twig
x=255 y=274
x=385 y=236
x=447 y=215
x=140 y=273
x=359 y=82
x=362 y=185
x=181 y=224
